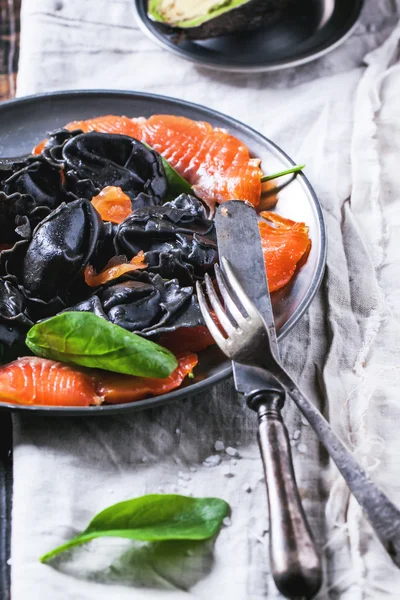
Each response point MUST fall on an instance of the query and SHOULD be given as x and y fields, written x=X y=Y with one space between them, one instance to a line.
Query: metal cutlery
x=250 y=340
x=295 y=563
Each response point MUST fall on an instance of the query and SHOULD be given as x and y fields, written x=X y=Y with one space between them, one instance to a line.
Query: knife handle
x=295 y=564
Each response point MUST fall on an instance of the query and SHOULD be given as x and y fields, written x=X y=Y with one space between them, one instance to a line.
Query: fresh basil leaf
x=153 y=518
x=85 y=339
x=176 y=184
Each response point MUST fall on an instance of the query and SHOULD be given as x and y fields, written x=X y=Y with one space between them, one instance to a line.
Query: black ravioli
x=30 y=190
x=14 y=321
x=186 y=214
x=38 y=179
x=177 y=238
x=145 y=303
x=61 y=246
x=52 y=151
x=94 y=160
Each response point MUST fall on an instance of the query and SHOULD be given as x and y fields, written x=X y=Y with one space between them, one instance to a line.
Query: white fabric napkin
x=341 y=116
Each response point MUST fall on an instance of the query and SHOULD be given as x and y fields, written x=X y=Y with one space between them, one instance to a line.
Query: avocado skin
x=252 y=15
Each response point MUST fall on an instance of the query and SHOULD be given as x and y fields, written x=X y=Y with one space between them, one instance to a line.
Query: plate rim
x=235 y=68
x=205 y=384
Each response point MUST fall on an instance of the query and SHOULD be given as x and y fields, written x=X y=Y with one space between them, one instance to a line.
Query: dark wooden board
x=9 y=54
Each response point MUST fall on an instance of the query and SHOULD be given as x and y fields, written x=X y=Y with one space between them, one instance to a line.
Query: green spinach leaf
x=176 y=184
x=153 y=518
x=85 y=339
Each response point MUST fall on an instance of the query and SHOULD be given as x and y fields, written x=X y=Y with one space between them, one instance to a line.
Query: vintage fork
x=247 y=341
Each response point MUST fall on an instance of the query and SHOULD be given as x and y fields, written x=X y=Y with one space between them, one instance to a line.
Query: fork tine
x=217 y=306
x=229 y=303
x=212 y=327
x=233 y=281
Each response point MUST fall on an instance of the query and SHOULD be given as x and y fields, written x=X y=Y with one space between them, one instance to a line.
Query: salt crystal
x=226 y=471
x=232 y=452
x=219 y=445
x=247 y=488
x=177 y=431
x=296 y=434
x=193 y=469
x=227 y=521
x=302 y=448
x=9 y=561
x=212 y=461
x=184 y=476
x=304 y=421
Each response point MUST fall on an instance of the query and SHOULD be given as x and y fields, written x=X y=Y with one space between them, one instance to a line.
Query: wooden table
x=9 y=54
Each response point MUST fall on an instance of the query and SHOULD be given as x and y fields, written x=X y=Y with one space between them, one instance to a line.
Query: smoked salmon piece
x=112 y=204
x=216 y=164
x=119 y=389
x=31 y=380
x=114 y=269
x=285 y=243
x=38 y=381
x=187 y=339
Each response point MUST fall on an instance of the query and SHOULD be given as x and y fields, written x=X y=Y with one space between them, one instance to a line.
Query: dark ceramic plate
x=312 y=29
x=25 y=122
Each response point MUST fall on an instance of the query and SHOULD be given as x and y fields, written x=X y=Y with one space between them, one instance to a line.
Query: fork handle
x=382 y=514
x=295 y=564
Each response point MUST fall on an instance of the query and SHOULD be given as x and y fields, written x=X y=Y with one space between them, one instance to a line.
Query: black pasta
x=52 y=151
x=94 y=160
x=55 y=232
x=186 y=214
x=30 y=190
x=61 y=246
x=177 y=238
x=145 y=303
x=14 y=321
x=39 y=180
x=185 y=258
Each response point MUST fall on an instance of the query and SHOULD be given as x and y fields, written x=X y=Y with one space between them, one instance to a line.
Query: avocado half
x=201 y=19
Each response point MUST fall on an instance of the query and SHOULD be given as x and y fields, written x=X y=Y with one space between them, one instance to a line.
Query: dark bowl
x=306 y=31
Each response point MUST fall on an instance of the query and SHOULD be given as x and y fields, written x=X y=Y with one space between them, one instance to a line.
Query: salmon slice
x=109 y=124
x=31 y=380
x=114 y=270
x=119 y=389
x=215 y=163
x=187 y=339
x=285 y=245
x=112 y=204
x=37 y=381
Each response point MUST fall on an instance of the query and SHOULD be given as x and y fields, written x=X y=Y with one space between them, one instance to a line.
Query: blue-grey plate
x=305 y=33
x=24 y=122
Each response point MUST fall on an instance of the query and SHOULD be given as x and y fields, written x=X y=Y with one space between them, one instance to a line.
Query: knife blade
x=239 y=241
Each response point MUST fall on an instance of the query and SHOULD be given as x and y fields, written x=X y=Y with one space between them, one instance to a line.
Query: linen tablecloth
x=341 y=116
